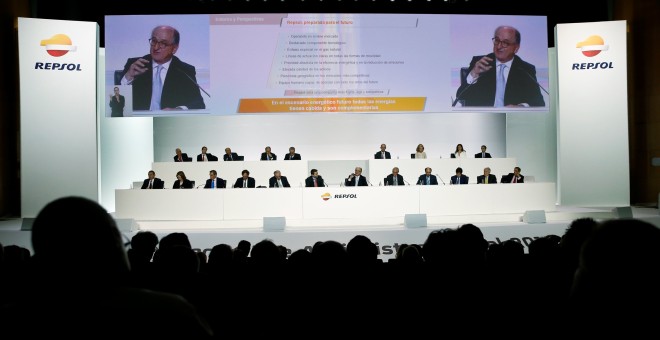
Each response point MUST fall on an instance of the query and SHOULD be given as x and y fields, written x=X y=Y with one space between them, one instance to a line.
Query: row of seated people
x=268 y=155
x=229 y=155
x=215 y=182
x=598 y=277
x=315 y=180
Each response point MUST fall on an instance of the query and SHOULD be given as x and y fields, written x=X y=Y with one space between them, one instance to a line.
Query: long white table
x=334 y=172
x=333 y=202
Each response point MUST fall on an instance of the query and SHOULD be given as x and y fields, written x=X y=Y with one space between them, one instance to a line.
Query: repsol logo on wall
x=591 y=47
x=57 y=46
x=326 y=196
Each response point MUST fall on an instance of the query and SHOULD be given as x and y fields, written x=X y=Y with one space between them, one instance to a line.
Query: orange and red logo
x=592 y=46
x=326 y=196
x=58 y=45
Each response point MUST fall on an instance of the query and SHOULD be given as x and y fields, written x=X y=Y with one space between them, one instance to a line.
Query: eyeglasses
x=497 y=41
x=155 y=43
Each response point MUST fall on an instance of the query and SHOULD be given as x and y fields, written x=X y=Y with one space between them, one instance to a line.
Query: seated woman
x=182 y=182
x=419 y=152
x=459 y=153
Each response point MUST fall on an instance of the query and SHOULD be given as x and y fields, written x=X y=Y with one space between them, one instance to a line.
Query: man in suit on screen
x=161 y=81
x=501 y=78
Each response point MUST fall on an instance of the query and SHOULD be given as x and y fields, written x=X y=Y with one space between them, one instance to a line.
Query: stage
x=388 y=233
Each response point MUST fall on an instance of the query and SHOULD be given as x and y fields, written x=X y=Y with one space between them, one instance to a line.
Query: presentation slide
x=270 y=64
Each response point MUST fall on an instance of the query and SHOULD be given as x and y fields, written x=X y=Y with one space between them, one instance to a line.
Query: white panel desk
x=411 y=169
x=344 y=202
x=261 y=171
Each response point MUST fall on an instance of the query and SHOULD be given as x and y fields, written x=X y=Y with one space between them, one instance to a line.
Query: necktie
x=151 y=184
x=486 y=179
x=156 y=89
x=395 y=181
x=483 y=155
x=501 y=84
x=277 y=183
x=515 y=179
x=357 y=180
x=316 y=184
x=382 y=155
x=203 y=158
x=212 y=184
x=428 y=180
x=244 y=183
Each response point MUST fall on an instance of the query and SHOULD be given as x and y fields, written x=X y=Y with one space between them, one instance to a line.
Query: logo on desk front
x=326 y=196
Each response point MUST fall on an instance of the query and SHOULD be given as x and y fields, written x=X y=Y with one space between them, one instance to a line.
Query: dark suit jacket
x=309 y=181
x=285 y=182
x=187 y=184
x=509 y=178
x=422 y=180
x=492 y=179
x=389 y=180
x=184 y=156
x=234 y=157
x=462 y=180
x=239 y=182
x=479 y=155
x=117 y=106
x=273 y=156
x=158 y=183
x=221 y=183
x=179 y=88
x=209 y=157
x=362 y=182
x=296 y=157
x=379 y=155
x=521 y=85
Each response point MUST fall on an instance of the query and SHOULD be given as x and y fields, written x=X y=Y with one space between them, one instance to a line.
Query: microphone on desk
x=406 y=182
x=368 y=182
x=199 y=186
x=193 y=81
x=533 y=79
x=440 y=178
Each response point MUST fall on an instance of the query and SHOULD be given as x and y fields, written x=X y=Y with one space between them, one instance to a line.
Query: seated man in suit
x=459 y=178
x=394 y=178
x=181 y=157
x=229 y=156
x=245 y=181
x=205 y=156
x=292 y=155
x=382 y=154
x=278 y=181
x=483 y=153
x=514 y=177
x=487 y=177
x=427 y=178
x=214 y=181
x=152 y=182
x=356 y=179
x=314 y=180
x=268 y=155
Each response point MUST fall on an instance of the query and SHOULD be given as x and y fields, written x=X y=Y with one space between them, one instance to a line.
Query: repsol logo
x=57 y=66
x=592 y=66
x=345 y=196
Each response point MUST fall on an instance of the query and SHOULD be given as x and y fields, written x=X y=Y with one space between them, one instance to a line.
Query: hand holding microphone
x=138 y=67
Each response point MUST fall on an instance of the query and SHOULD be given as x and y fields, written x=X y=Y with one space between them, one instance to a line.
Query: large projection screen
x=299 y=64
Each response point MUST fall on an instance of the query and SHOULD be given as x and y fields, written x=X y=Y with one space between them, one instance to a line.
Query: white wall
x=127 y=147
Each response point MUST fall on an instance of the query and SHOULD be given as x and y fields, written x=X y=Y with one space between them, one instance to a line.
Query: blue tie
x=156 y=89
x=212 y=184
x=501 y=85
x=428 y=180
